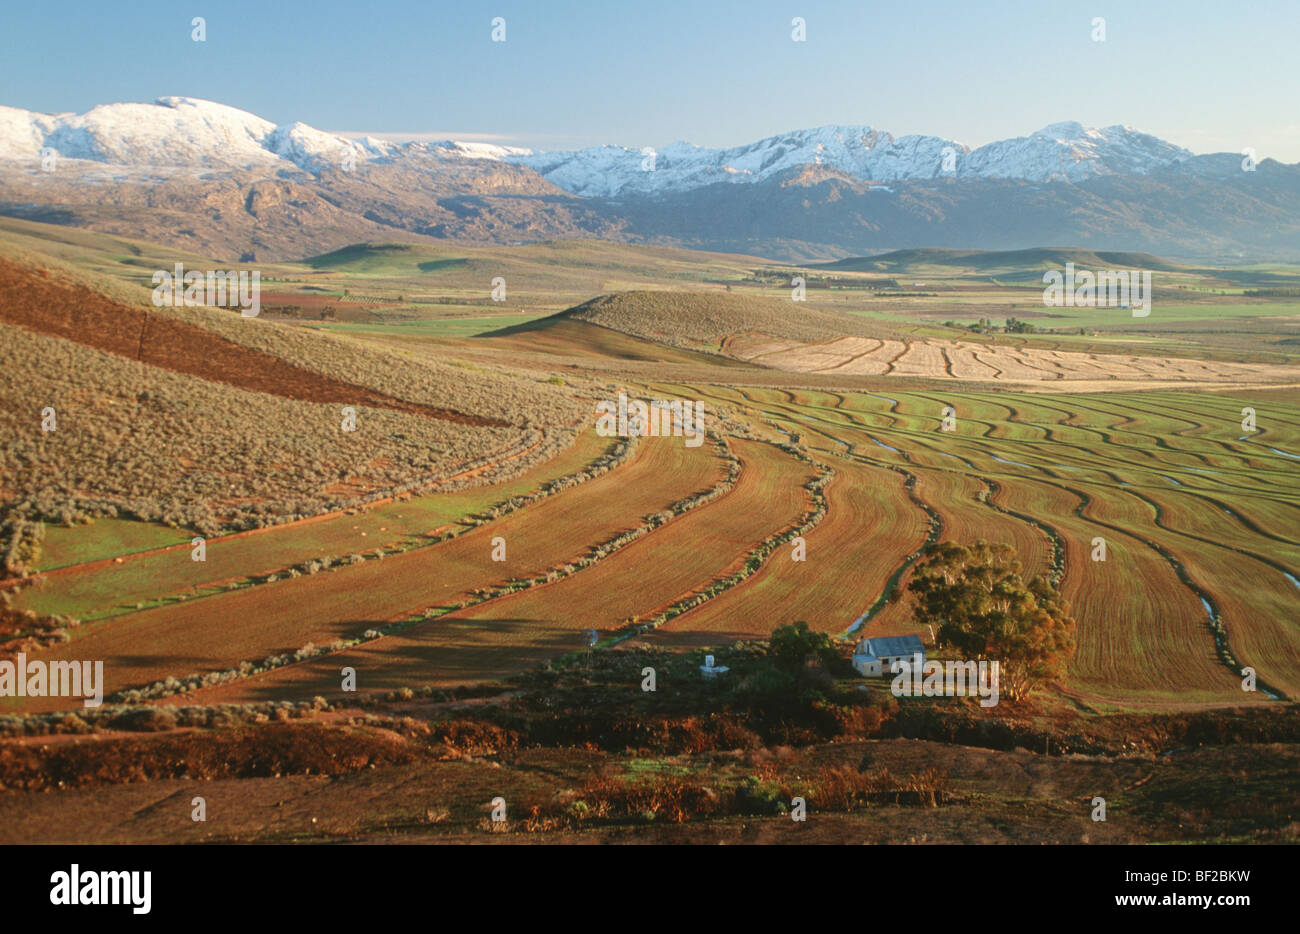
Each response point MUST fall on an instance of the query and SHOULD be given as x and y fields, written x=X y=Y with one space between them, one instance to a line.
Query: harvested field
x=995 y=362
x=520 y=631
x=954 y=496
x=1034 y=449
x=1256 y=600
x=1142 y=630
x=870 y=523
x=104 y=587
x=1277 y=519
x=216 y=633
x=1212 y=522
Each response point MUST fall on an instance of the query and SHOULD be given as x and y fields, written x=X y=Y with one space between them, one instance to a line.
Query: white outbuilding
x=709 y=670
x=873 y=658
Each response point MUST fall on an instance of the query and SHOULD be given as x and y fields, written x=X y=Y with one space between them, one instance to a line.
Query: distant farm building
x=709 y=670
x=873 y=658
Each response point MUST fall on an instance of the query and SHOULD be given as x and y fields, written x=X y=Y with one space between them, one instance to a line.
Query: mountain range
x=224 y=181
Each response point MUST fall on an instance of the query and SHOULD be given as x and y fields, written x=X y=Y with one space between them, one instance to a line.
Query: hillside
x=703 y=320
x=156 y=412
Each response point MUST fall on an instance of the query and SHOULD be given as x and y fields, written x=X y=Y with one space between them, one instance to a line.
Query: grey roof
x=895 y=645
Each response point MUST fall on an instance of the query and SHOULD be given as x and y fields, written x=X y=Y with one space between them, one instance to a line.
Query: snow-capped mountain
x=217 y=180
x=604 y=171
x=184 y=132
x=191 y=133
x=1073 y=152
x=1062 y=151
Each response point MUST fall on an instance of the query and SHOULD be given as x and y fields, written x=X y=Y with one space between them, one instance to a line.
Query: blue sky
x=1209 y=76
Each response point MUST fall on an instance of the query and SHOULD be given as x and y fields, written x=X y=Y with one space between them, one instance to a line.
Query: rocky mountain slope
x=219 y=180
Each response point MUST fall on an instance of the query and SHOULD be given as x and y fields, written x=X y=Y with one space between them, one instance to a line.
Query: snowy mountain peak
x=1066 y=150
x=1067 y=130
x=192 y=133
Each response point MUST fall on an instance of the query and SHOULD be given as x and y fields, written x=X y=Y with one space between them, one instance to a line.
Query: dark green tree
x=794 y=645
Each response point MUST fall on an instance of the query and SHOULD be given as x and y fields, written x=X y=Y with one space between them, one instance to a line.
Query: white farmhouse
x=873 y=658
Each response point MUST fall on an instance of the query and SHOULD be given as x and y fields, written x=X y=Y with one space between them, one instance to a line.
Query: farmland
x=915 y=445
x=113 y=580
x=868 y=524
x=346 y=600
x=1031 y=481
x=522 y=629
x=455 y=551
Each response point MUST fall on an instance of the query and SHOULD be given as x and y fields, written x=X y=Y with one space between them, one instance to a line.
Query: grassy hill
x=583 y=266
x=702 y=320
x=160 y=412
